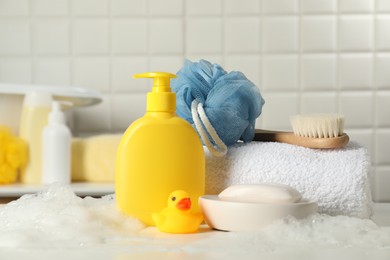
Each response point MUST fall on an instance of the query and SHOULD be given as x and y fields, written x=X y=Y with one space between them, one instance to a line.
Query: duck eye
x=173 y=198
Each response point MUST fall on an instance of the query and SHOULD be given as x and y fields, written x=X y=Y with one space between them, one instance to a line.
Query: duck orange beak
x=184 y=204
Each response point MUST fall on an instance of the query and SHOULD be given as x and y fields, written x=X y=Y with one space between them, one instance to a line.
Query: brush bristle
x=318 y=125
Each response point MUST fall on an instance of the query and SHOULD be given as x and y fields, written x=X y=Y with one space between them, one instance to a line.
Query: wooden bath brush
x=321 y=131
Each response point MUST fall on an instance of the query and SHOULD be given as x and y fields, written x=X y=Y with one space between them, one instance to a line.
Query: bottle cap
x=56 y=116
x=161 y=99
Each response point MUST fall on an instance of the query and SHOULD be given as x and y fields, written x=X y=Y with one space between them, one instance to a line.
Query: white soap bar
x=261 y=193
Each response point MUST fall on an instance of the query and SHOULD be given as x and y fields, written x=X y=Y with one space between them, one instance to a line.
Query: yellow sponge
x=93 y=158
x=13 y=156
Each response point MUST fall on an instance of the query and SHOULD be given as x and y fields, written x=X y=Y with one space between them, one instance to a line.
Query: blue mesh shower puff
x=231 y=101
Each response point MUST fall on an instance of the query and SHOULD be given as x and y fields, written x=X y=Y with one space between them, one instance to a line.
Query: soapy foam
x=57 y=219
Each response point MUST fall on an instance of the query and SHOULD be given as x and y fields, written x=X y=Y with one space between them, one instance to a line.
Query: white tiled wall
x=305 y=56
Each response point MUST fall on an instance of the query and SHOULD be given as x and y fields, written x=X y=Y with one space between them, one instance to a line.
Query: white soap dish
x=242 y=216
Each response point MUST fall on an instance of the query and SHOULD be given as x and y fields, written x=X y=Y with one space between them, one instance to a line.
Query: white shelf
x=75 y=96
x=80 y=189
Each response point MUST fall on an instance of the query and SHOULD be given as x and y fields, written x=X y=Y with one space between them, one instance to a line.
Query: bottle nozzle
x=56 y=106
x=161 y=99
x=56 y=115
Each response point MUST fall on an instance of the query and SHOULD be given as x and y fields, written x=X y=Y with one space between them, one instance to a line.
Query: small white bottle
x=56 y=148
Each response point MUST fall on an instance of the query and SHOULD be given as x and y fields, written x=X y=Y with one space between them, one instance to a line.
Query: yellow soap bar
x=93 y=158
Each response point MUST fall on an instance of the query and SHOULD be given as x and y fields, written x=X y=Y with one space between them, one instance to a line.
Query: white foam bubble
x=316 y=237
x=57 y=219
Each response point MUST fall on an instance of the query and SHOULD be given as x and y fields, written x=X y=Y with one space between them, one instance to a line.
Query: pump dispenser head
x=56 y=115
x=161 y=99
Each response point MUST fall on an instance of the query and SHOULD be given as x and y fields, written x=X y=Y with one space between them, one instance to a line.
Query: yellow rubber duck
x=176 y=217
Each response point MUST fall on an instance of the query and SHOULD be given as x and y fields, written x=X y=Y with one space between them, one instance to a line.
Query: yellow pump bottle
x=159 y=153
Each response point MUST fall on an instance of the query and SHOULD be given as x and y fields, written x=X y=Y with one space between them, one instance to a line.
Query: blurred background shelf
x=14 y=191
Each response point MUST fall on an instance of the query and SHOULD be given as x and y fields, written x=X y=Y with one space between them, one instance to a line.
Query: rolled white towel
x=337 y=179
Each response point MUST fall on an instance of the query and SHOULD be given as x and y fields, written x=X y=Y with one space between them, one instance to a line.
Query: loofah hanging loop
x=206 y=130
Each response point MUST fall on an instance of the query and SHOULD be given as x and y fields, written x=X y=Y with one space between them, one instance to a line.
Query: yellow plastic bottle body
x=33 y=120
x=159 y=153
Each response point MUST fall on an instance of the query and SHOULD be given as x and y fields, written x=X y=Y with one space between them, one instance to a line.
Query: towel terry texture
x=338 y=179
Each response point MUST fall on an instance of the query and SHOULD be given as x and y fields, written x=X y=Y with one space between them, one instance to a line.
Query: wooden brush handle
x=309 y=142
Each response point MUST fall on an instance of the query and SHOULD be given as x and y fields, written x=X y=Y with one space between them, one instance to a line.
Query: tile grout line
x=31 y=36
x=71 y=55
x=110 y=66
x=148 y=38
x=300 y=57
x=223 y=18
x=261 y=47
x=260 y=120
x=338 y=67
x=374 y=95
x=70 y=44
x=184 y=18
